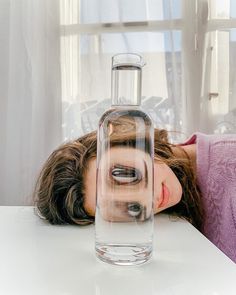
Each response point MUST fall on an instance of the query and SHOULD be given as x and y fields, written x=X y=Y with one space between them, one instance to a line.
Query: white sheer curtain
x=30 y=98
x=55 y=73
x=218 y=86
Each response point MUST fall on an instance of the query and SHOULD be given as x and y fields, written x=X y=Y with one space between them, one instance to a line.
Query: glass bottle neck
x=126 y=85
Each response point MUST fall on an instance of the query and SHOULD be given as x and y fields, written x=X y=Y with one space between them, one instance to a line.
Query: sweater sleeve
x=216 y=176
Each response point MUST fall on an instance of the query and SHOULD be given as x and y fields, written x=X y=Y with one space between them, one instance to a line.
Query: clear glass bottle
x=124 y=207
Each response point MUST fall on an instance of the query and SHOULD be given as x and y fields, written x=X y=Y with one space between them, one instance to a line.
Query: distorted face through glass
x=125 y=185
x=125 y=188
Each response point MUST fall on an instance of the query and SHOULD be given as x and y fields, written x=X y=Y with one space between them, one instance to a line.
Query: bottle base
x=123 y=254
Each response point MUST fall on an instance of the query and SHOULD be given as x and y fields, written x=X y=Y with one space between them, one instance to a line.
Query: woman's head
x=59 y=191
x=65 y=191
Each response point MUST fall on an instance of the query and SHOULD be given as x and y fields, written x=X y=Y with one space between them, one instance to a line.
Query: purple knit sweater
x=216 y=175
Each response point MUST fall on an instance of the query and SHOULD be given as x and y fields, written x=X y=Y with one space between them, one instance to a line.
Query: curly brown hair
x=59 y=191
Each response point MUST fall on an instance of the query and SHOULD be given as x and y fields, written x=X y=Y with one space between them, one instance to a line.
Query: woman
x=198 y=178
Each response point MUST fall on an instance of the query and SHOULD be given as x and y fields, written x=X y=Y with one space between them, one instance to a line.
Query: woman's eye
x=124 y=175
x=134 y=209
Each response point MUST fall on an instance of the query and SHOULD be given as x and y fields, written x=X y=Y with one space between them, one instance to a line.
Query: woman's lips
x=164 y=196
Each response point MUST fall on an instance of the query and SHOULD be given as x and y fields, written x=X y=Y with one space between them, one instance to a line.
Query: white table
x=38 y=258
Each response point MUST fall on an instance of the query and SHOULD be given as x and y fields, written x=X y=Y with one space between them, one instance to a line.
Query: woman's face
x=124 y=182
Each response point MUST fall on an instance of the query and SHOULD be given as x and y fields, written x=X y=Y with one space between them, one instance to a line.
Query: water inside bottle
x=124 y=210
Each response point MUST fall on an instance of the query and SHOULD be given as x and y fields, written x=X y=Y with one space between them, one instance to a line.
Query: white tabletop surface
x=38 y=258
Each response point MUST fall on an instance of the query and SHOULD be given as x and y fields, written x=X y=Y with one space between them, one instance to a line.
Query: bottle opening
x=127 y=60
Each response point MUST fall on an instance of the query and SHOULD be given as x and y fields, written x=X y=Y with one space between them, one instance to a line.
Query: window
x=189 y=81
x=93 y=31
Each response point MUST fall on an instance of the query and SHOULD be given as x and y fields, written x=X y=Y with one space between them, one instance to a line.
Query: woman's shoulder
x=215 y=150
x=215 y=139
x=215 y=153
x=210 y=150
x=210 y=153
x=209 y=138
